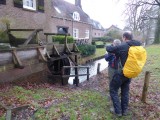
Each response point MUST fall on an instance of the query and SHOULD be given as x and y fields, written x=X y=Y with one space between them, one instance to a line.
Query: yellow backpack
x=136 y=59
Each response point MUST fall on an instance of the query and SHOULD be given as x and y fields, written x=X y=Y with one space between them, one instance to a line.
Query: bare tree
x=140 y=15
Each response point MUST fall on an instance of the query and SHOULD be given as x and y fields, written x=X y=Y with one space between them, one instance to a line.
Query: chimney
x=78 y=3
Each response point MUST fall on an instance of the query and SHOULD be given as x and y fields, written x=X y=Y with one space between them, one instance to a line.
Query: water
x=92 y=70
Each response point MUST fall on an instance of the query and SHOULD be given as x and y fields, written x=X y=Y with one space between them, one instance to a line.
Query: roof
x=65 y=9
x=96 y=25
x=113 y=27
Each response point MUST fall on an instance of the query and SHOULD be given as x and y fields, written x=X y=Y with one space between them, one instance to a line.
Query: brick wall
x=20 y=18
x=97 y=33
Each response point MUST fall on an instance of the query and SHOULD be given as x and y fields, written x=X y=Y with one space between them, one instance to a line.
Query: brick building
x=97 y=30
x=53 y=16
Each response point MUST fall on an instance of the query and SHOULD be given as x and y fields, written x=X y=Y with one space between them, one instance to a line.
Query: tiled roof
x=96 y=24
x=66 y=9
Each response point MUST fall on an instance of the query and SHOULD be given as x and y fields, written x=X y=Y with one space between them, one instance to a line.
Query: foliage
x=3 y=37
x=87 y=50
x=5 y=21
x=104 y=39
x=114 y=34
x=41 y=8
x=61 y=39
x=3 y=33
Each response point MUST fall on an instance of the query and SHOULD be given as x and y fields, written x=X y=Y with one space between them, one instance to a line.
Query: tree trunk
x=157 y=33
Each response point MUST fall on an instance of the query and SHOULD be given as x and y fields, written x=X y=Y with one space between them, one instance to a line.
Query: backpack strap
x=120 y=67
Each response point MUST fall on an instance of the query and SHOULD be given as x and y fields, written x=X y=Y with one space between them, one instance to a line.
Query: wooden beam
x=75 y=48
x=66 y=48
x=16 y=60
x=41 y=55
x=55 y=50
x=9 y=30
x=30 y=37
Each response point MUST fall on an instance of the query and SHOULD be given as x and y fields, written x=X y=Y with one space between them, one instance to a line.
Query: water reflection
x=92 y=70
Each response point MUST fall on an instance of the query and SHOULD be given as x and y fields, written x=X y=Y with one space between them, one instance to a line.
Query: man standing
x=119 y=80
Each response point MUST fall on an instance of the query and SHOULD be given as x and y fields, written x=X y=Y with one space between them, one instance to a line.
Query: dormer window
x=99 y=26
x=29 y=4
x=57 y=10
x=76 y=16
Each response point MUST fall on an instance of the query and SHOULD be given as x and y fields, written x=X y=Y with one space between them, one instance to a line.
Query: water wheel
x=55 y=68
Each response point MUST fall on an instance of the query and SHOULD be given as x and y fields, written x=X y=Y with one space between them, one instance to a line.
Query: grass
x=153 y=58
x=79 y=104
x=86 y=105
x=99 y=52
x=99 y=43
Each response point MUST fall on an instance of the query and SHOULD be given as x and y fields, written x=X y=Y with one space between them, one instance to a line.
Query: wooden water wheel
x=56 y=66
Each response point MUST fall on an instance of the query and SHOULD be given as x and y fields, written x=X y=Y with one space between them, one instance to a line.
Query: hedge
x=61 y=39
x=87 y=50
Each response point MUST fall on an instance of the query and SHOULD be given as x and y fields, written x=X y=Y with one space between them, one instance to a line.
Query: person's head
x=116 y=42
x=127 y=35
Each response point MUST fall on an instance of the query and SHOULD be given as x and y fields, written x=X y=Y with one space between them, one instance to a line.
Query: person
x=113 y=65
x=119 y=80
x=112 y=61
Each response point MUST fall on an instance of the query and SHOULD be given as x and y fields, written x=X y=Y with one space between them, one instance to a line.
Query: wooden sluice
x=25 y=59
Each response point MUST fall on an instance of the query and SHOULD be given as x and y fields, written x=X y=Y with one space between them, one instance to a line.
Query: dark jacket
x=112 y=60
x=121 y=51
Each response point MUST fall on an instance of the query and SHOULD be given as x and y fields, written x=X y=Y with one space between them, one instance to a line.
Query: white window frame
x=87 y=34
x=29 y=4
x=76 y=16
x=75 y=33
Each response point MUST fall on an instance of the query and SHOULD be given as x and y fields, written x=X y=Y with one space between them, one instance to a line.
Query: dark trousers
x=120 y=81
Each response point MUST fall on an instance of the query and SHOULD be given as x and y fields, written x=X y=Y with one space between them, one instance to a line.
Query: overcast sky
x=107 y=12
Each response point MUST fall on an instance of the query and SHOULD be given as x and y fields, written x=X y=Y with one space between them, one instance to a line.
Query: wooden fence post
x=87 y=73
x=98 y=68
x=145 y=87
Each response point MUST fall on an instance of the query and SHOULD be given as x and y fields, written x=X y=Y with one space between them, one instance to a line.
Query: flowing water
x=92 y=70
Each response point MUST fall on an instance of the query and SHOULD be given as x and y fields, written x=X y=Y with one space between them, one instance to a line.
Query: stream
x=92 y=70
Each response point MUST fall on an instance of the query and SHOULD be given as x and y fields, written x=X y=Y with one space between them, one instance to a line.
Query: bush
x=87 y=50
x=99 y=44
x=4 y=37
x=61 y=39
x=104 y=39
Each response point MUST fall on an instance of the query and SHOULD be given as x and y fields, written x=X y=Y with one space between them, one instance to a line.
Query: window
x=29 y=4
x=75 y=33
x=3 y=2
x=87 y=34
x=62 y=30
x=57 y=10
x=76 y=16
x=99 y=26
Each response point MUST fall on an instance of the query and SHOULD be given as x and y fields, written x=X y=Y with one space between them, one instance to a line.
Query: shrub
x=104 y=39
x=4 y=37
x=87 y=50
x=61 y=39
